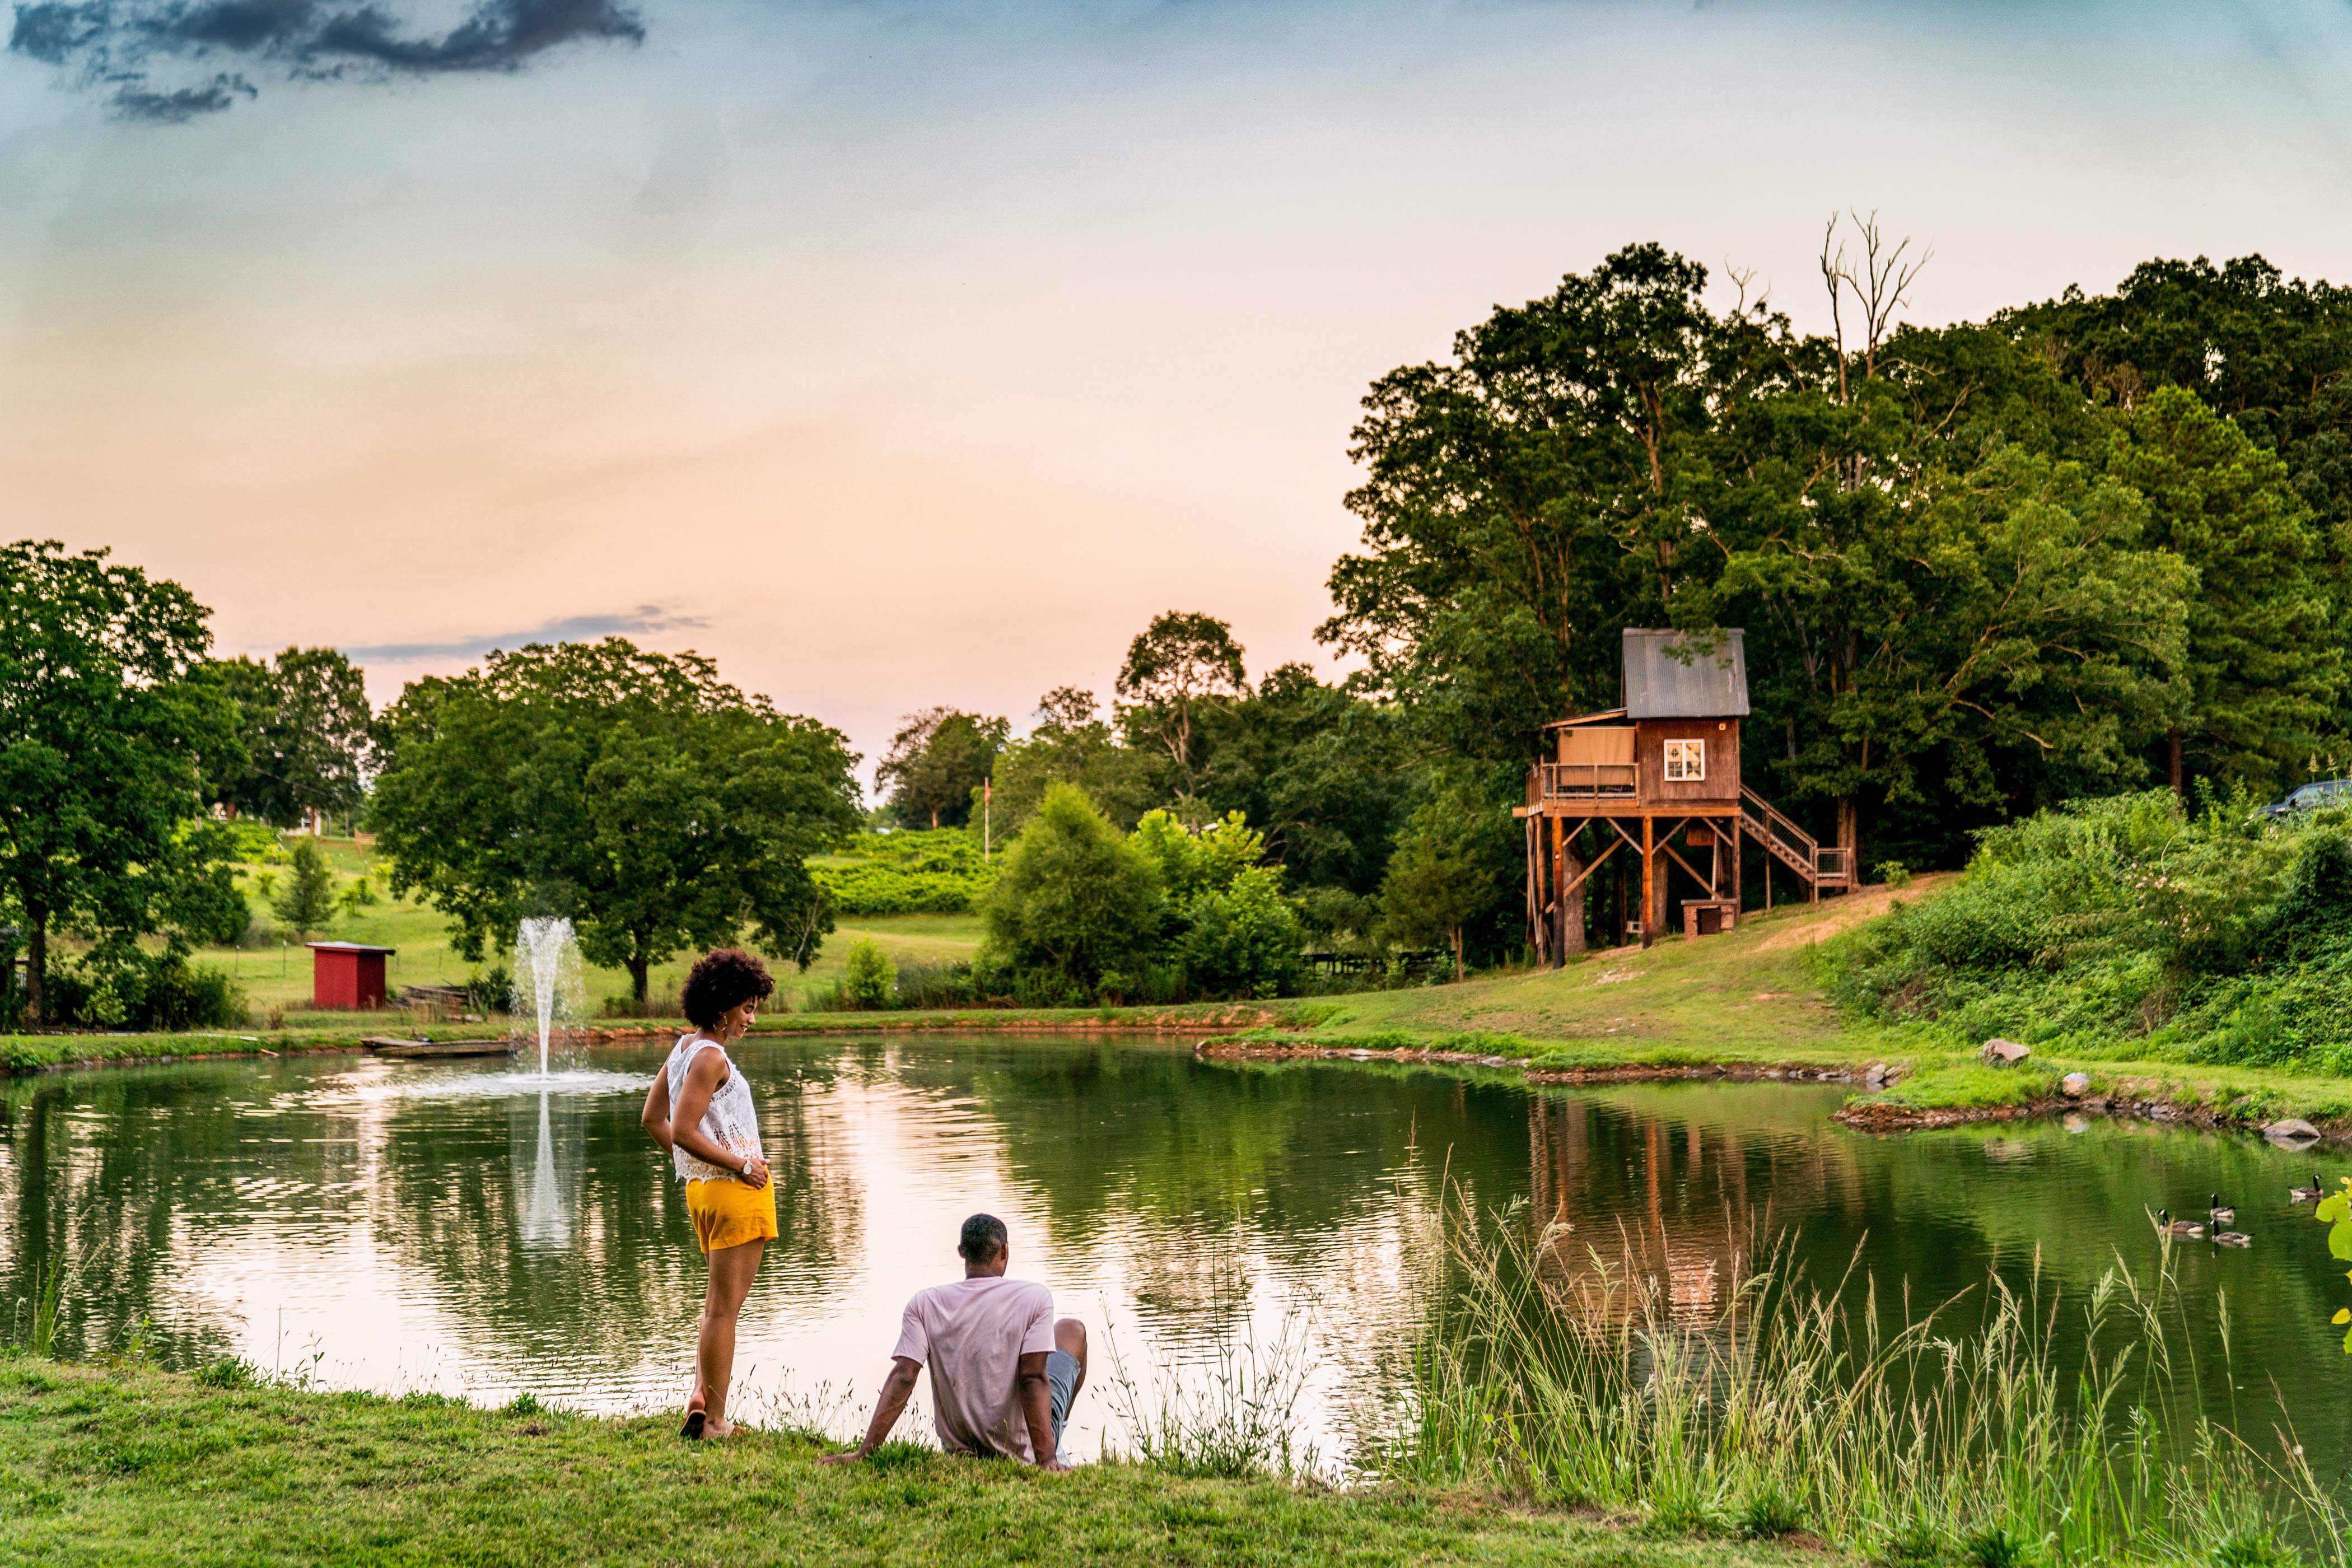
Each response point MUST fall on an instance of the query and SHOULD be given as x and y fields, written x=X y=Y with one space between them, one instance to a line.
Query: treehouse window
x=1686 y=760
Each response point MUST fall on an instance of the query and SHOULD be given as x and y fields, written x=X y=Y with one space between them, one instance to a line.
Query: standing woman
x=700 y=1109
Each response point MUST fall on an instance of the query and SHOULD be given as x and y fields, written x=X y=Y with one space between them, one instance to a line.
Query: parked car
x=2311 y=796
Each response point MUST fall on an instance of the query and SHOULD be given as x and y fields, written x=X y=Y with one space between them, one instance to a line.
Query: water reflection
x=434 y=1225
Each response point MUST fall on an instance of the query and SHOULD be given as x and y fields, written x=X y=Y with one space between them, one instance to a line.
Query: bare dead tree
x=1880 y=286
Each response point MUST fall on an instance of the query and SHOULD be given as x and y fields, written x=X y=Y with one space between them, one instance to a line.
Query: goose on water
x=2167 y=1226
x=2217 y=1213
x=2310 y=1195
x=2233 y=1238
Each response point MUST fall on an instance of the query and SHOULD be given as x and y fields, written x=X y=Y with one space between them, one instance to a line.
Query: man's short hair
x=983 y=1237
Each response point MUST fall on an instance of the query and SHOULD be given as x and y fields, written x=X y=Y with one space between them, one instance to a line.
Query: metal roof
x=1685 y=675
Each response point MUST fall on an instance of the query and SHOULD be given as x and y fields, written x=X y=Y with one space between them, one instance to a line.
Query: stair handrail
x=1773 y=818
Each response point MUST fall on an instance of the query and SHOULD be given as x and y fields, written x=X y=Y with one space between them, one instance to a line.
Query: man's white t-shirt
x=972 y=1335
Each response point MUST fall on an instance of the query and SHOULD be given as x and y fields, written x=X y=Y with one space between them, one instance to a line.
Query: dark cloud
x=181 y=104
x=571 y=629
x=133 y=48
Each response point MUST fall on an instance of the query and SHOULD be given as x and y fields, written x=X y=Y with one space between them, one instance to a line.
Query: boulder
x=1876 y=1076
x=2075 y=1085
x=2293 y=1129
x=2003 y=1053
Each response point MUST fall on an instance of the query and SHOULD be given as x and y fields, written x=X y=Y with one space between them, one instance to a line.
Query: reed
x=1833 y=1410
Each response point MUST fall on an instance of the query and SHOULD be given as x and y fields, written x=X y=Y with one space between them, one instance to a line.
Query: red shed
x=347 y=974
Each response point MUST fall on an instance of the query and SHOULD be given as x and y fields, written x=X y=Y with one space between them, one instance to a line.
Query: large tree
x=1177 y=668
x=937 y=760
x=2263 y=670
x=636 y=792
x=307 y=731
x=107 y=738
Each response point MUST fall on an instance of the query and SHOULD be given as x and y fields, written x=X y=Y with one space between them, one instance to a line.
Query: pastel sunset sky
x=898 y=354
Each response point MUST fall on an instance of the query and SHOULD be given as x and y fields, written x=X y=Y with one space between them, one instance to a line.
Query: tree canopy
x=636 y=792
x=307 y=731
x=937 y=761
x=108 y=734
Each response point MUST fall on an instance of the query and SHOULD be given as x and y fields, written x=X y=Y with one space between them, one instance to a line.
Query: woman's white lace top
x=732 y=1122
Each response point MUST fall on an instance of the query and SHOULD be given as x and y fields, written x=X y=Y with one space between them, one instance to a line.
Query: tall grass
x=1237 y=1412
x=1899 y=1435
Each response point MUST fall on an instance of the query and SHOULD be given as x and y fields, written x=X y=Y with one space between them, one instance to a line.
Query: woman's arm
x=703 y=1076
x=655 y=1117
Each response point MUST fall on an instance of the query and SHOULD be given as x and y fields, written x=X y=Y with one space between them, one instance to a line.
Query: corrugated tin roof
x=1671 y=675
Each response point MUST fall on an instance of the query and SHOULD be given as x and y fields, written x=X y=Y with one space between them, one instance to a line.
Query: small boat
x=387 y=1046
x=2167 y=1226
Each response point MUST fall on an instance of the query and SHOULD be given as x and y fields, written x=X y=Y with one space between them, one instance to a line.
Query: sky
x=897 y=355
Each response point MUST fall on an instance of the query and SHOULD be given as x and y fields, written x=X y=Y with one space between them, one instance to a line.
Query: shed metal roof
x=1685 y=675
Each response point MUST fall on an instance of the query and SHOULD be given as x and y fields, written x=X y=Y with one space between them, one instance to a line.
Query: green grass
x=131 y=1465
x=1882 y=1426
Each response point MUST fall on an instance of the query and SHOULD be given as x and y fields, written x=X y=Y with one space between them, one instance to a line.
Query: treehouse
x=1659 y=779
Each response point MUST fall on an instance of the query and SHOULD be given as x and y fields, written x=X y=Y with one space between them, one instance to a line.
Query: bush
x=118 y=986
x=1073 y=896
x=869 y=980
x=1244 y=940
x=2117 y=920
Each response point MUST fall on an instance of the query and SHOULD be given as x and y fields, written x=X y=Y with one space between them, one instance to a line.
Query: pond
x=446 y=1226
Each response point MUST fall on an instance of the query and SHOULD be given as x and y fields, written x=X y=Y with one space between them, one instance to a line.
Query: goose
x=2310 y=1195
x=2168 y=1225
x=2218 y=1213
x=2233 y=1238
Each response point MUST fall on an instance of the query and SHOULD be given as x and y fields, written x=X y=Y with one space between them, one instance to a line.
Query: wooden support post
x=1738 y=885
x=1649 y=880
x=1559 y=894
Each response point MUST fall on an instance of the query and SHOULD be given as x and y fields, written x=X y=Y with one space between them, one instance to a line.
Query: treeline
x=637 y=793
x=1982 y=570
x=2082 y=546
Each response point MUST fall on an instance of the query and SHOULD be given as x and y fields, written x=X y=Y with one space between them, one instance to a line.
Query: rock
x=2293 y=1129
x=2075 y=1085
x=2003 y=1053
x=1876 y=1076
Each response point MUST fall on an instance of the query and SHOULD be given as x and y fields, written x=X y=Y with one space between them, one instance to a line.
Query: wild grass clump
x=1236 y=1414
x=1908 y=1439
x=2127 y=923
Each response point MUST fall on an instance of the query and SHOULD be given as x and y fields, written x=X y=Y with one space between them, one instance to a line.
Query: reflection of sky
x=416 y=1226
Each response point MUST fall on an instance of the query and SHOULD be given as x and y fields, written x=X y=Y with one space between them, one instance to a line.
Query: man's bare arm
x=1035 y=1392
x=897 y=1388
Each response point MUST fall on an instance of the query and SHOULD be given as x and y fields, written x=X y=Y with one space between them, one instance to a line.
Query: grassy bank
x=1756 y=999
x=131 y=1465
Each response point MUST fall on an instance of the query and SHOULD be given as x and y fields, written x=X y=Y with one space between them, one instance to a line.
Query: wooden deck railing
x=1583 y=781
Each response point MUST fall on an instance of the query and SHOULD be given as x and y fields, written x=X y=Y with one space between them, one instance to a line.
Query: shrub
x=868 y=979
x=1073 y=896
x=1244 y=940
x=117 y=986
x=910 y=873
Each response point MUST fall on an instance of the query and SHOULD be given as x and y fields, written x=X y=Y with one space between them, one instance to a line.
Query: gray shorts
x=1061 y=1377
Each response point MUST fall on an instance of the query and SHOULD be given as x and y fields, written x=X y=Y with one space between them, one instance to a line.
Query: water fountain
x=546 y=975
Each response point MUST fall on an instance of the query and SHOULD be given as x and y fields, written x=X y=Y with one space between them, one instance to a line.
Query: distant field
x=276 y=973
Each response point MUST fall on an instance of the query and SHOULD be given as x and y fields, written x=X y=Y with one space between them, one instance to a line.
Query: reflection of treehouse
x=1667 y=764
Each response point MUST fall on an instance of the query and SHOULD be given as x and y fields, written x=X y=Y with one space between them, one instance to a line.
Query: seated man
x=1004 y=1373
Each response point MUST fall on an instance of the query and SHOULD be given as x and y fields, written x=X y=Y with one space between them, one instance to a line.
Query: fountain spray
x=546 y=974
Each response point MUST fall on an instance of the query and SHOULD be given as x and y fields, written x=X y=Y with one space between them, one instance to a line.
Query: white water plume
x=546 y=977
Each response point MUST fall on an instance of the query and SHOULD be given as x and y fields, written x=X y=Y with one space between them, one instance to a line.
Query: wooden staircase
x=1830 y=868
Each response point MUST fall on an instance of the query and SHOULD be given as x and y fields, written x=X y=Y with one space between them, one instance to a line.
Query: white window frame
x=1685 y=761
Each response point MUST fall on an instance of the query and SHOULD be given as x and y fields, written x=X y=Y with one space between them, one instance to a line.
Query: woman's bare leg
x=731 y=1269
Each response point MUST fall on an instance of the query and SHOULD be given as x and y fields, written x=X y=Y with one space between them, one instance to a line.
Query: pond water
x=459 y=1228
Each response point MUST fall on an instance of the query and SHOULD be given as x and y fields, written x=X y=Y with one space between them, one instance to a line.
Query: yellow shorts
x=728 y=1212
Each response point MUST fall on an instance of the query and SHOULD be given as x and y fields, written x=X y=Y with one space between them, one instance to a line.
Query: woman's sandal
x=693 y=1427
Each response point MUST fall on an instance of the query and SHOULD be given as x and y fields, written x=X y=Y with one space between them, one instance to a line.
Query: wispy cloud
x=121 y=46
x=571 y=629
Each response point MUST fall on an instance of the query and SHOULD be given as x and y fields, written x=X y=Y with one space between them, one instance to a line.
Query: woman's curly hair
x=725 y=978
